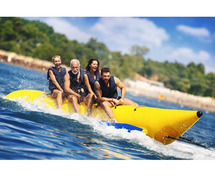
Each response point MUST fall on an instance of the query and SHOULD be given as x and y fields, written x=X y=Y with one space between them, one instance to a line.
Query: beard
x=75 y=72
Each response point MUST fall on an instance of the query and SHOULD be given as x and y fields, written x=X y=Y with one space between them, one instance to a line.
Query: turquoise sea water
x=29 y=132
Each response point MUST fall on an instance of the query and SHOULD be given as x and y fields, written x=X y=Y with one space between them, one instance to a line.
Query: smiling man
x=106 y=90
x=75 y=86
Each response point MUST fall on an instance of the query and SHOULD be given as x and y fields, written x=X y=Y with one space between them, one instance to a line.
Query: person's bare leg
x=59 y=98
x=74 y=100
x=89 y=101
x=107 y=107
x=129 y=102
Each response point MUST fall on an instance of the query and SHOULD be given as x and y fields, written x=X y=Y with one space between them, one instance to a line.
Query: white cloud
x=117 y=33
x=199 y=32
x=61 y=26
x=182 y=55
x=186 y=55
x=123 y=32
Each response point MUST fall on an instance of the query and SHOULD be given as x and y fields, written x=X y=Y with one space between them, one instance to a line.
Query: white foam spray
x=176 y=149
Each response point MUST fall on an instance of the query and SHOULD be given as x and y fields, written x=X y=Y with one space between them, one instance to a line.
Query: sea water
x=29 y=132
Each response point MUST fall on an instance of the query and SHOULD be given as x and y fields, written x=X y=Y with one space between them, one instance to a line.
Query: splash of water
x=176 y=149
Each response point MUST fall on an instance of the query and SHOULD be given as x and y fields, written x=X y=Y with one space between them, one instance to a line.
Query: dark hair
x=90 y=62
x=105 y=70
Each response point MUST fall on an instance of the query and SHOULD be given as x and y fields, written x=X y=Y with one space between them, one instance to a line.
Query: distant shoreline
x=137 y=87
x=161 y=93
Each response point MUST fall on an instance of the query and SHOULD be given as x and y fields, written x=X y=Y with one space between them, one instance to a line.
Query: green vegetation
x=36 y=39
x=191 y=78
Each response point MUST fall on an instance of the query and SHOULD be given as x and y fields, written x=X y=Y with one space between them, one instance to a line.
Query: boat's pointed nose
x=199 y=114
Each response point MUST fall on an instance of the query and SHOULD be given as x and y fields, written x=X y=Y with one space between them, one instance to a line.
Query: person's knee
x=72 y=98
x=105 y=104
x=56 y=93
x=90 y=97
x=133 y=103
x=59 y=93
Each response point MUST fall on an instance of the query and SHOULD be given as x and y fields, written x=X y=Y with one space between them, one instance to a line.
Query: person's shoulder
x=117 y=80
x=51 y=68
x=69 y=71
x=63 y=68
x=87 y=73
x=86 y=76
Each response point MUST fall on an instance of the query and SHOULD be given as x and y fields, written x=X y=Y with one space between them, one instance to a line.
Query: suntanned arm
x=52 y=76
x=87 y=83
x=121 y=86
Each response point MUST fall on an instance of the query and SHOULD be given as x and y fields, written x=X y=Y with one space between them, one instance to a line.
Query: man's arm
x=52 y=76
x=121 y=86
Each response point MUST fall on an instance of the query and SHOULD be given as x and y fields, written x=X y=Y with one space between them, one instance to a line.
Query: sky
x=181 y=39
x=182 y=31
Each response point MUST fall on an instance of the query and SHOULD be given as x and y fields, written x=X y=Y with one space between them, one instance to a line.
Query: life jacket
x=75 y=85
x=59 y=78
x=92 y=80
x=111 y=91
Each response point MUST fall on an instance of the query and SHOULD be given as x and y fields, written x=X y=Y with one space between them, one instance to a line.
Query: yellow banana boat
x=163 y=125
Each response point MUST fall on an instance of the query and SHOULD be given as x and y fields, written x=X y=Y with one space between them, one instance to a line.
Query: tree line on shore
x=38 y=40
